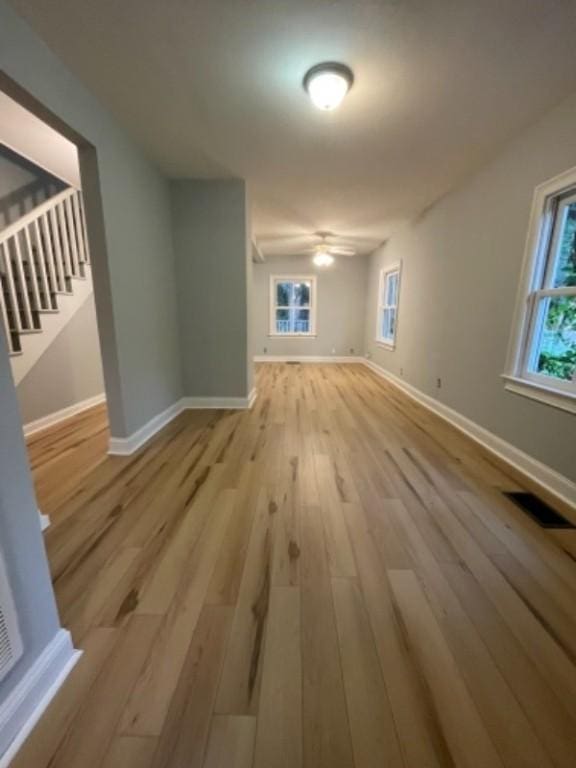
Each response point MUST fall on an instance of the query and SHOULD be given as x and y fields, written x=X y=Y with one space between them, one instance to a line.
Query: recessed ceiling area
x=214 y=89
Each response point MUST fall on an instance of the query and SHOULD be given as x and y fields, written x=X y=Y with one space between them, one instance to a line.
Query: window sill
x=566 y=401
x=292 y=335
x=390 y=345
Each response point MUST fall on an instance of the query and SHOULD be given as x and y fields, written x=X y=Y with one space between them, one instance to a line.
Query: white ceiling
x=213 y=88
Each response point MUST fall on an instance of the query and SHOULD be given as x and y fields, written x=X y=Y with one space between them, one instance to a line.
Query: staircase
x=41 y=257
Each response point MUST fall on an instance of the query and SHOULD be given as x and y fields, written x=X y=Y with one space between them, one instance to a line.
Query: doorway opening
x=47 y=302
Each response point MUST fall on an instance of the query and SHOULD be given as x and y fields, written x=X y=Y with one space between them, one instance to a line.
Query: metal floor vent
x=538 y=510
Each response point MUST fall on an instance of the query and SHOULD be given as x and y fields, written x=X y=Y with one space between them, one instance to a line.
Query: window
x=542 y=358
x=292 y=306
x=388 y=291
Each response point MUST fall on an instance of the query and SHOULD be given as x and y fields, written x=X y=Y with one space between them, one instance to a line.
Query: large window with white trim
x=388 y=295
x=542 y=360
x=292 y=305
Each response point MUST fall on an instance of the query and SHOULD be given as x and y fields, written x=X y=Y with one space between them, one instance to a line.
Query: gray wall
x=20 y=538
x=131 y=247
x=461 y=263
x=68 y=372
x=128 y=211
x=212 y=254
x=23 y=186
x=339 y=312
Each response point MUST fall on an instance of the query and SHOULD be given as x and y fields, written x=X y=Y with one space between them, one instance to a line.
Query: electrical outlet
x=265 y=350
x=351 y=350
x=333 y=350
x=439 y=383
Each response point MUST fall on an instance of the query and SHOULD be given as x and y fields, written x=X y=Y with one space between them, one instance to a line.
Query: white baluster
x=64 y=239
x=47 y=238
x=24 y=302
x=84 y=228
x=71 y=237
x=41 y=264
x=4 y=316
x=12 y=290
x=60 y=266
x=78 y=227
x=29 y=259
x=4 y=312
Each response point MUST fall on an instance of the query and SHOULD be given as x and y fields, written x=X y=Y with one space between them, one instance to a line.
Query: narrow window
x=388 y=293
x=292 y=306
x=542 y=359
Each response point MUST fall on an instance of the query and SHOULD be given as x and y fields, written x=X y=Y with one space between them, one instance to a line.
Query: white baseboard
x=44 y=521
x=307 y=359
x=65 y=413
x=221 y=403
x=124 y=446
x=26 y=704
x=252 y=398
x=548 y=478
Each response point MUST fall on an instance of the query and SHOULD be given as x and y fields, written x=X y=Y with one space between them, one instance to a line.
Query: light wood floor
x=332 y=580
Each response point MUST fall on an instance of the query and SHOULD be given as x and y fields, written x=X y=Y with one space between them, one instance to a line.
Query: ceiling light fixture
x=323 y=259
x=328 y=83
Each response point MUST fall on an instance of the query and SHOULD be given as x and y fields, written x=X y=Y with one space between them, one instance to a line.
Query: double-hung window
x=292 y=305
x=388 y=294
x=542 y=357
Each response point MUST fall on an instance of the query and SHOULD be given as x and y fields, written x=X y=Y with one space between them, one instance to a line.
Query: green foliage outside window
x=557 y=356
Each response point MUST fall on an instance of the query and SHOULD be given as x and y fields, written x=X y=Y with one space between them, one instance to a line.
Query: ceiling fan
x=306 y=243
x=324 y=251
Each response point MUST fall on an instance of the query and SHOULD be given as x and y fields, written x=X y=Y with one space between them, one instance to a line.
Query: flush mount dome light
x=328 y=83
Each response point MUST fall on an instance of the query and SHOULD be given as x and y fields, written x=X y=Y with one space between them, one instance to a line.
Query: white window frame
x=312 y=308
x=381 y=305
x=536 y=274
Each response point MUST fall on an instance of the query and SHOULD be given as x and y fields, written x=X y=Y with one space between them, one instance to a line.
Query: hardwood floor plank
x=231 y=742
x=130 y=752
x=332 y=579
x=508 y=726
x=326 y=735
x=465 y=732
x=419 y=730
x=150 y=700
x=182 y=743
x=225 y=582
x=547 y=713
x=88 y=740
x=279 y=732
x=239 y=689
x=51 y=730
x=372 y=726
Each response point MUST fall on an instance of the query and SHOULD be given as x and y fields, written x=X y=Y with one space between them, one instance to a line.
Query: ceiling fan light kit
x=323 y=259
x=327 y=84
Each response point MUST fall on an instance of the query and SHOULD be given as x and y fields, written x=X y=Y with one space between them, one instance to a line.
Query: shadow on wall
x=23 y=186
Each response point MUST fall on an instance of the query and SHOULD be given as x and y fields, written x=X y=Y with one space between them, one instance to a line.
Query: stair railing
x=40 y=254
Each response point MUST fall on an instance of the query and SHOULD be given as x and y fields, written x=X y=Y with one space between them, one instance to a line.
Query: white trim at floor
x=26 y=704
x=220 y=403
x=125 y=446
x=548 y=478
x=307 y=359
x=44 y=521
x=65 y=413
